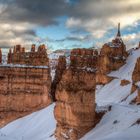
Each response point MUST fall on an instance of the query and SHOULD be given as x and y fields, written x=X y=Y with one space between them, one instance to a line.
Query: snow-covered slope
x=117 y=124
x=125 y=72
x=37 y=126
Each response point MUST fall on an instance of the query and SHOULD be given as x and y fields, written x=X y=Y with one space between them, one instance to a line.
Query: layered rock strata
x=25 y=84
x=22 y=91
x=75 y=99
x=35 y=58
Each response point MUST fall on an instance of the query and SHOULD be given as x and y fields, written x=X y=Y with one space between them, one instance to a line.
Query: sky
x=67 y=24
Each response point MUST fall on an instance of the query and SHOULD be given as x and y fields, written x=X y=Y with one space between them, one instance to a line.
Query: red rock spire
x=119 y=33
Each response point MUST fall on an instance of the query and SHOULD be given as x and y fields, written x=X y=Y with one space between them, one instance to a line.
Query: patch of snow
x=22 y=66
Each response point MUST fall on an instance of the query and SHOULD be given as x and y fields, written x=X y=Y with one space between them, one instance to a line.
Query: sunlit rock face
x=23 y=89
x=75 y=100
x=112 y=56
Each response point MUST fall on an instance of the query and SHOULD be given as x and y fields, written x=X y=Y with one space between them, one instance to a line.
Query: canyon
x=26 y=85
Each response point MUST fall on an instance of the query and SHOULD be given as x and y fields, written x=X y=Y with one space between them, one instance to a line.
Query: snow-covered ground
x=117 y=124
x=37 y=126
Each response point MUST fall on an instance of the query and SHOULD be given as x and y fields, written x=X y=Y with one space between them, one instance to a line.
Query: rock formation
x=23 y=88
x=136 y=79
x=75 y=95
x=113 y=54
x=35 y=58
x=61 y=66
x=124 y=82
x=84 y=58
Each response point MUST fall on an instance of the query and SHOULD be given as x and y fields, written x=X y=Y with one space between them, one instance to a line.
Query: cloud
x=33 y=11
x=20 y=18
x=99 y=16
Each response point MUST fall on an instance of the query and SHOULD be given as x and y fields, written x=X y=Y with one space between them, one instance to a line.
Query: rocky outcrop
x=112 y=56
x=102 y=79
x=136 y=79
x=75 y=98
x=24 y=88
x=84 y=58
x=35 y=58
x=61 y=66
x=124 y=82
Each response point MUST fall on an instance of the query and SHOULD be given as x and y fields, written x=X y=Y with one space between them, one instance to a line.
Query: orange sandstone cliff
x=23 y=88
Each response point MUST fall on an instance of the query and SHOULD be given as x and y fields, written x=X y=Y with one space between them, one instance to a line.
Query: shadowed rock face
x=61 y=66
x=75 y=97
x=136 y=79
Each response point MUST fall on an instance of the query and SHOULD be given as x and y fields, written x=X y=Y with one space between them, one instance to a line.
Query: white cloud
x=98 y=16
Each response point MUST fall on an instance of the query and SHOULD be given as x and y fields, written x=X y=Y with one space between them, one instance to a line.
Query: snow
x=22 y=66
x=112 y=93
x=118 y=124
x=37 y=126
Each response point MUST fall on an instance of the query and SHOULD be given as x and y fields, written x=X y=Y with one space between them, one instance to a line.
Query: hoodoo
x=112 y=56
x=75 y=95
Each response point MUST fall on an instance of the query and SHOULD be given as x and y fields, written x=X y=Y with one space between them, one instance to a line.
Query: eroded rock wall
x=75 y=97
x=22 y=91
x=33 y=57
x=112 y=56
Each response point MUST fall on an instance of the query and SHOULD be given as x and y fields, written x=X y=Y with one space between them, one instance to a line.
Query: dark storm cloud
x=43 y=12
x=104 y=8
